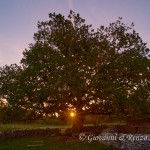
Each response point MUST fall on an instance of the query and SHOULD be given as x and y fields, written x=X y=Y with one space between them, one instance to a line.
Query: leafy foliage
x=72 y=66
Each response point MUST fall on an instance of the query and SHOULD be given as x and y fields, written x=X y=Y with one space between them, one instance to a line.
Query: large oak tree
x=72 y=66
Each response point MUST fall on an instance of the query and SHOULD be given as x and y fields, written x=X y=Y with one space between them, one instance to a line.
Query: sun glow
x=72 y=114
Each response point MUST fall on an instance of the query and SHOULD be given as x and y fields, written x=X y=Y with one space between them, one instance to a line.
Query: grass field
x=4 y=127
x=21 y=126
x=49 y=143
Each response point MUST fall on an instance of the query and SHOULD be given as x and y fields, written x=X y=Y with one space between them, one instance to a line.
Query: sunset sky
x=18 y=19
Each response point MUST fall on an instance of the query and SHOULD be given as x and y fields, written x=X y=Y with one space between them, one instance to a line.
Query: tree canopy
x=72 y=66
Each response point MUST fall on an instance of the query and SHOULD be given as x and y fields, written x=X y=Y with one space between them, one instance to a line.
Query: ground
x=45 y=143
x=18 y=126
x=50 y=143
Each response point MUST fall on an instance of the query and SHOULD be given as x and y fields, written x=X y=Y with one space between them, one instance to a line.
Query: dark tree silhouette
x=73 y=67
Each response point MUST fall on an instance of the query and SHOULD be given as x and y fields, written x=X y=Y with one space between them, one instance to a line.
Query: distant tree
x=72 y=66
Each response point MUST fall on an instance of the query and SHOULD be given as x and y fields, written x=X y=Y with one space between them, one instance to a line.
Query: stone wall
x=126 y=137
x=127 y=141
x=34 y=132
x=118 y=128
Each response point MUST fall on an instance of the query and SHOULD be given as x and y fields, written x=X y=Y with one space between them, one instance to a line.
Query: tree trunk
x=78 y=121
